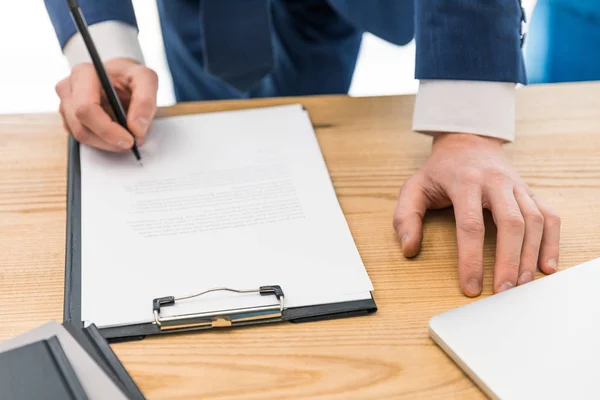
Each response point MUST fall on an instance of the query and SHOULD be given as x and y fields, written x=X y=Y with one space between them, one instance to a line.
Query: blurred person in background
x=468 y=60
x=563 y=41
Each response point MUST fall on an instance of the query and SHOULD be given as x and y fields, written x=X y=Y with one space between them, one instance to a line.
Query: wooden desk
x=370 y=151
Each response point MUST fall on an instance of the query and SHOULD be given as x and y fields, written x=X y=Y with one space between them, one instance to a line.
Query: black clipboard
x=72 y=294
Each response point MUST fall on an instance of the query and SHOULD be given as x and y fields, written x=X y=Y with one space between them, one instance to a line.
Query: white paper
x=237 y=199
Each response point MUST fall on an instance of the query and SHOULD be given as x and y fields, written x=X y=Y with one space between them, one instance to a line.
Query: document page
x=237 y=199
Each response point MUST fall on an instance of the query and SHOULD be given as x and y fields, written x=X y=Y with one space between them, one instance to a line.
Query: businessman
x=469 y=59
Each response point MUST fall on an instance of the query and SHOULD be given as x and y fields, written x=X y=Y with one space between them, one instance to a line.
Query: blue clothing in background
x=563 y=43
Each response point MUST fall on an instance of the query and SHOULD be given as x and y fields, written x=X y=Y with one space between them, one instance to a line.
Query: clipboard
x=277 y=312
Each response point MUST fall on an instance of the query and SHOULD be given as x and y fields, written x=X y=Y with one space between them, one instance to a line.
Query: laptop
x=536 y=341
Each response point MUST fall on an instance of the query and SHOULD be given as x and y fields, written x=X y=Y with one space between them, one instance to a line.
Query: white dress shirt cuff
x=482 y=108
x=113 y=39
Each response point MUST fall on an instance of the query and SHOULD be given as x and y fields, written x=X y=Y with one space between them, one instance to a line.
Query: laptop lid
x=536 y=341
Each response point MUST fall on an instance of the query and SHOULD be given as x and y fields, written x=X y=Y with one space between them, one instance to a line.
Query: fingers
x=72 y=124
x=534 y=227
x=408 y=216
x=511 y=233
x=548 y=257
x=142 y=107
x=62 y=88
x=86 y=94
x=470 y=234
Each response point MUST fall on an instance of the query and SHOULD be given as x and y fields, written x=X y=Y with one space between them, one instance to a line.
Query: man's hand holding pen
x=87 y=115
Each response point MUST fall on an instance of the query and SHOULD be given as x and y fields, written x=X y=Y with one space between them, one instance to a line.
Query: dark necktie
x=237 y=40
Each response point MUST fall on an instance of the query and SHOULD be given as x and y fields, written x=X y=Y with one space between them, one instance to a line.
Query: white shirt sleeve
x=482 y=108
x=113 y=39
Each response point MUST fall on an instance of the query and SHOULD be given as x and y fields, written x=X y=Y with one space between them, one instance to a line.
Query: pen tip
x=140 y=161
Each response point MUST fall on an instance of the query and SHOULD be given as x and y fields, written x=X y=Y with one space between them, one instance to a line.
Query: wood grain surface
x=370 y=150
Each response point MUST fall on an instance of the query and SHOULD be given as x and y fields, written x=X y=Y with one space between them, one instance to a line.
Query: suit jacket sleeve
x=469 y=40
x=95 y=11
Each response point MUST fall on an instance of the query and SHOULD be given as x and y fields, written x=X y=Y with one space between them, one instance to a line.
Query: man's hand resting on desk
x=471 y=173
x=85 y=110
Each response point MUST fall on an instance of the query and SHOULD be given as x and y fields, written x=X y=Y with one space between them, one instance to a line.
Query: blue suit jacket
x=455 y=39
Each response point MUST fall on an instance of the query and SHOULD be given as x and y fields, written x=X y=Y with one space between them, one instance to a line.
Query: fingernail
x=403 y=241
x=473 y=287
x=551 y=264
x=505 y=286
x=125 y=144
x=525 y=277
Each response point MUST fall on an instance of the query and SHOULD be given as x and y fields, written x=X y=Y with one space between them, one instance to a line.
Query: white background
x=31 y=62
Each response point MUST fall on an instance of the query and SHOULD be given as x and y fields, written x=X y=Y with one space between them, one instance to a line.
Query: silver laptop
x=536 y=341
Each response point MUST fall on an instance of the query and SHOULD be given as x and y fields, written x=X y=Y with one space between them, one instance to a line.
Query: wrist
x=122 y=62
x=452 y=139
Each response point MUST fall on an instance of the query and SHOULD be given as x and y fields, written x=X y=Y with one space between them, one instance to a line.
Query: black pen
x=109 y=89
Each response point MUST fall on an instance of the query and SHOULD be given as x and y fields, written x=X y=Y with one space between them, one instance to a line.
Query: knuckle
x=498 y=176
x=472 y=225
x=406 y=186
x=152 y=76
x=530 y=255
x=82 y=110
x=471 y=266
x=535 y=218
x=552 y=220
x=398 y=219
x=79 y=134
x=472 y=177
x=508 y=268
x=58 y=87
x=144 y=75
x=514 y=221
x=61 y=87
x=512 y=265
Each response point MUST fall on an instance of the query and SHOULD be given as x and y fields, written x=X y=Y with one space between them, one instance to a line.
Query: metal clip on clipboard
x=225 y=318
